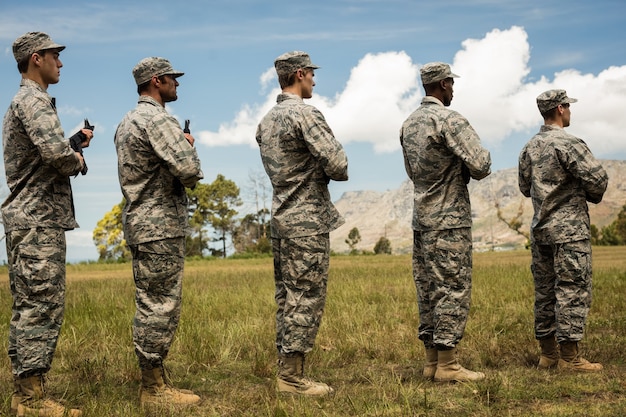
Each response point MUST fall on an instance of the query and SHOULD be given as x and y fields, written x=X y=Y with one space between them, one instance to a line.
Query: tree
x=199 y=214
x=595 y=235
x=382 y=246
x=223 y=195
x=620 y=225
x=250 y=235
x=354 y=237
x=108 y=235
x=612 y=234
x=259 y=189
x=516 y=222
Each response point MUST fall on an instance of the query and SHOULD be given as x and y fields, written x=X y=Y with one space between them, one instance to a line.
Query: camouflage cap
x=153 y=66
x=435 y=71
x=290 y=62
x=31 y=42
x=552 y=98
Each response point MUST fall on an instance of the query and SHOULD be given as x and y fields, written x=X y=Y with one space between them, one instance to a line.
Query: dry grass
x=367 y=347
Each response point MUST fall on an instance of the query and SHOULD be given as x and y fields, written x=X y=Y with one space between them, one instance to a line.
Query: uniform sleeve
x=407 y=164
x=464 y=142
x=523 y=173
x=170 y=145
x=323 y=145
x=44 y=129
x=580 y=162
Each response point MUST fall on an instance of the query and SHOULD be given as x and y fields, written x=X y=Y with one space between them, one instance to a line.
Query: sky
x=370 y=52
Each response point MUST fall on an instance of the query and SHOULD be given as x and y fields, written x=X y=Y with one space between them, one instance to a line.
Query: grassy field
x=367 y=348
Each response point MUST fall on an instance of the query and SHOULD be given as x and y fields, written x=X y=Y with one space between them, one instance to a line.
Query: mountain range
x=377 y=214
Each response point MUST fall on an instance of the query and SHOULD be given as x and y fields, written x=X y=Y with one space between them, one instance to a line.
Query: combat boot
x=157 y=390
x=571 y=359
x=430 y=366
x=291 y=377
x=549 y=353
x=33 y=402
x=449 y=369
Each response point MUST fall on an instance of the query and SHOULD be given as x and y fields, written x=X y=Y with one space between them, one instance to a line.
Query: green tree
x=108 y=235
x=595 y=235
x=382 y=246
x=354 y=237
x=612 y=234
x=620 y=225
x=223 y=195
x=609 y=236
x=199 y=214
x=251 y=234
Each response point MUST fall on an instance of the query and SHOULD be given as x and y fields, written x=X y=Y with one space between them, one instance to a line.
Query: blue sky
x=369 y=51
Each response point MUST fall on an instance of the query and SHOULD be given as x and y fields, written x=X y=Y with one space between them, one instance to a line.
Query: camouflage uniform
x=155 y=163
x=441 y=151
x=300 y=156
x=38 y=162
x=560 y=174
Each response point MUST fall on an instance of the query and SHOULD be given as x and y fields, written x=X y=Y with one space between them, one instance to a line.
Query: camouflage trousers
x=562 y=275
x=301 y=275
x=37 y=280
x=442 y=271
x=158 y=273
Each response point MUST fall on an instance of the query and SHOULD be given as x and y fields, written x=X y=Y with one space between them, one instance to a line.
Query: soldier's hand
x=89 y=135
x=189 y=138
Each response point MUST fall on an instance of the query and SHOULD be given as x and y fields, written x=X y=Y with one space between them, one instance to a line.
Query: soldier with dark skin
x=156 y=161
x=441 y=152
x=38 y=162
x=560 y=174
x=300 y=155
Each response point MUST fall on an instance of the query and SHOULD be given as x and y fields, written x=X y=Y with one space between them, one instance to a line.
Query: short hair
x=286 y=80
x=22 y=65
x=431 y=87
x=144 y=87
x=549 y=114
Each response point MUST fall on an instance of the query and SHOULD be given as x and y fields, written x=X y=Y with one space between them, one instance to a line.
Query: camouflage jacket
x=38 y=162
x=441 y=152
x=155 y=164
x=300 y=155
x=560 y=174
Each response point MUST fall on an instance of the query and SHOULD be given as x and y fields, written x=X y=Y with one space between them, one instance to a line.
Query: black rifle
x=76 y=142
x=178 y=186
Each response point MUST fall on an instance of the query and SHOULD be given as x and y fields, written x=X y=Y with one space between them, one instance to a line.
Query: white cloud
x=493 y=93
x=267 y=78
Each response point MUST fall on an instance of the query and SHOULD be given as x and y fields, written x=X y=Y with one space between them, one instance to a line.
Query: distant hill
x=389 y=213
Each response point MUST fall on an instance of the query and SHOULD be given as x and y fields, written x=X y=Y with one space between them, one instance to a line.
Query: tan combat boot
x=291 y=377
x=549 y=353
x=30 y=400
x=571 y=359
x=449 y=369
x=156 y=390
x=430 y=366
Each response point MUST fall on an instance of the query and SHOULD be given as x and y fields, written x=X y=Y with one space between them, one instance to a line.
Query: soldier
x=560 y=174
x=441 y=152
x=156 y=161
x=300 y=156
x=39 y=162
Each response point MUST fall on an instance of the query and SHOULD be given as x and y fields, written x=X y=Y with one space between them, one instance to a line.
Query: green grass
x=367 y=348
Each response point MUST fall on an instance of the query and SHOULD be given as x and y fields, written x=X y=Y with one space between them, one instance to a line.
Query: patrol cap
x=153 y=66
x=552 y=98
x=31 y=42
x=435 y=71
x=290 y=62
